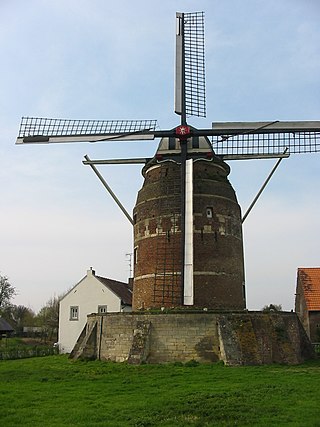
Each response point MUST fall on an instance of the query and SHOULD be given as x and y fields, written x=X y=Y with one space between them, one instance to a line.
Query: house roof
x=310 y=283
x=4 y=326
x=119 y=288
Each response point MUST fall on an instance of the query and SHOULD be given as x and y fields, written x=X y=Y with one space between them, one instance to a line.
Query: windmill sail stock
x=230 y=140
x=190 y=151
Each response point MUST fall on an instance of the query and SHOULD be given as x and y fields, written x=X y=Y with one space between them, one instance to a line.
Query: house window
x=209 y=212
x=102 y=309
x=74 y=312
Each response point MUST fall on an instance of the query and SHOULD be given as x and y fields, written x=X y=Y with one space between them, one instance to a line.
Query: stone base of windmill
x=236 y=338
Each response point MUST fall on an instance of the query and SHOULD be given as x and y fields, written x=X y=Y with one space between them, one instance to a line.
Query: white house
x=93 y=294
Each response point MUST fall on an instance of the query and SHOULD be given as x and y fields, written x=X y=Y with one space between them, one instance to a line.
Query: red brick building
x=307 y=303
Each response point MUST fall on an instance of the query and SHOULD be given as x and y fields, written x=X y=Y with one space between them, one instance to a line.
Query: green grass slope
x=55 y=391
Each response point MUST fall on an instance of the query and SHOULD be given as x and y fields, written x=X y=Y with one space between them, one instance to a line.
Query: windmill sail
x=190 y=65
x=45 y=130
x=253 y=140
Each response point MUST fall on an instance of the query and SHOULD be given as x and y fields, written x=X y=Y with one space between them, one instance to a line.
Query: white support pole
x=188 y=249
x=108 y=188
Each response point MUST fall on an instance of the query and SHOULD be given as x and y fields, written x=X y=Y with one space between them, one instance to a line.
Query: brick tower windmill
x=187 y=221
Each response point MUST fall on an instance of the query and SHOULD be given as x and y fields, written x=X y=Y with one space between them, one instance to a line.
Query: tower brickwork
x=218 y=267
x=157 y=238
x=217 y=239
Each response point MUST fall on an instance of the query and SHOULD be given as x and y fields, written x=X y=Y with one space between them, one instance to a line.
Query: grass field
x=55 y=391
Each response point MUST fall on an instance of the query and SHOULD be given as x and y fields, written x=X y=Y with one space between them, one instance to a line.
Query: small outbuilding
x=5 y=328
x=93 y=294
x=307 y=302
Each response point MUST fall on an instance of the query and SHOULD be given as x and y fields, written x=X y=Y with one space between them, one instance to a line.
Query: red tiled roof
x=310 y=282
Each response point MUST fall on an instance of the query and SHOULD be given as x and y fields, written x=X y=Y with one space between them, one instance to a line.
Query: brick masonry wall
x=218 y=248
x=157 y=239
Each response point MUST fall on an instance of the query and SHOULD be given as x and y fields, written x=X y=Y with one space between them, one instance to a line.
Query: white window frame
x=135 y=255
x=209 y=212
x=74 y=312
x=102 y=309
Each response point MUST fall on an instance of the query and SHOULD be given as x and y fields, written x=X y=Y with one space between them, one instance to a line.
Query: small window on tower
x=135 y=255
x=244 y=291
x=209 y=212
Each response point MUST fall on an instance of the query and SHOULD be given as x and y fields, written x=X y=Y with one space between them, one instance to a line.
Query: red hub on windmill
x=183 y=131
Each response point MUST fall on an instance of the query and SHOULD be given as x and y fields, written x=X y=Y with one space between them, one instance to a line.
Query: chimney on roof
x=91 y=272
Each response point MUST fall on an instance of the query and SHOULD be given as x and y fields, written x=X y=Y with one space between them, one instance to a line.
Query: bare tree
x=48 y=318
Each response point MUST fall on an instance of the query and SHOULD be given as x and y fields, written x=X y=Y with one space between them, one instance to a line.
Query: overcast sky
x=100 y=59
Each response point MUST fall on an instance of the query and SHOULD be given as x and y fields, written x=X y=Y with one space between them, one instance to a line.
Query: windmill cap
x=196 y=145
x=199 y=148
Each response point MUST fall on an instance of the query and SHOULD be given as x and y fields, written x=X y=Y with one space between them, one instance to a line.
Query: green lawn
x=55 y=391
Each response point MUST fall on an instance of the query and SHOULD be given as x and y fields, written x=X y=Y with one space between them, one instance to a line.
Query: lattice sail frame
x=190 y=96
x=40 y=129
x=244 y=140
x=265 y=144
x=195 y=87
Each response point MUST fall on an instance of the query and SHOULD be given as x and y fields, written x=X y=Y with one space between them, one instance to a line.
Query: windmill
x=188 y=248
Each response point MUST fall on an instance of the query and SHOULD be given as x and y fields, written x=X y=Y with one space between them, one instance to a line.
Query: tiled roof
x=310 y=282
x=119 y=288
